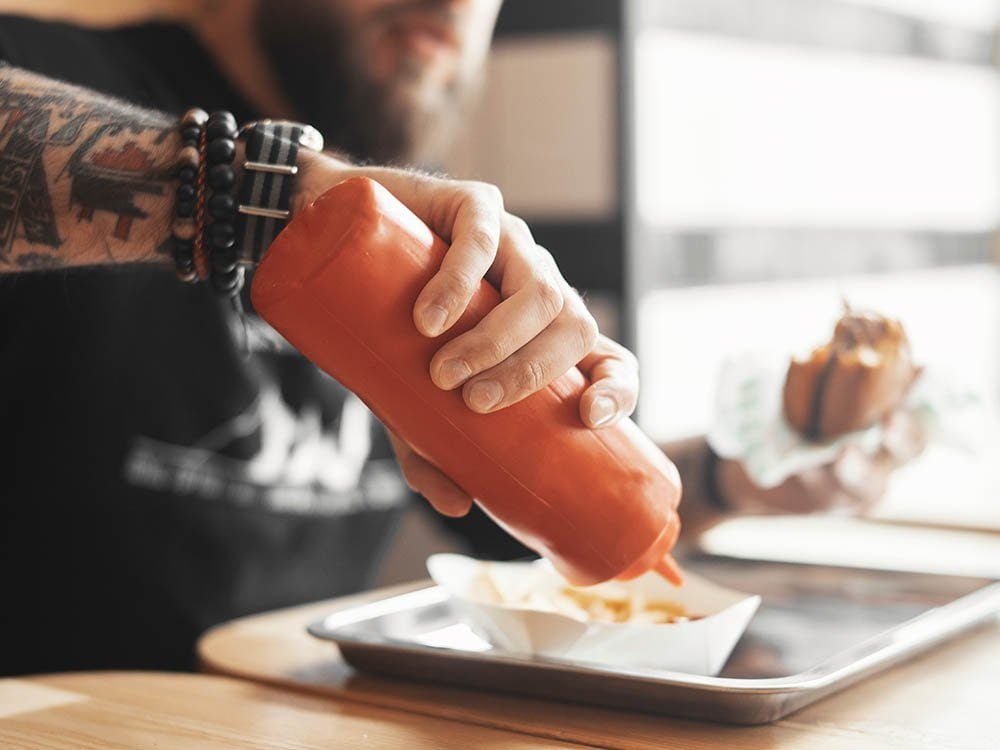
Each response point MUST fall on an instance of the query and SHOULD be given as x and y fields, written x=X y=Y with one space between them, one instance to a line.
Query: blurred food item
x=528 y=608
x=609 y=603
x=629 y=607
x=858 y=378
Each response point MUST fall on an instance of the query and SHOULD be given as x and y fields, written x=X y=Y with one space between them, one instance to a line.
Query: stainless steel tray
x=819 y=629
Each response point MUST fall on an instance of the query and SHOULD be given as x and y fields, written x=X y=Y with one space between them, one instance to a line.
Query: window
x=782 y=155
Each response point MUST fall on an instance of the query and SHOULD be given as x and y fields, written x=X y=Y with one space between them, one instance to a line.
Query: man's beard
x=322 y=75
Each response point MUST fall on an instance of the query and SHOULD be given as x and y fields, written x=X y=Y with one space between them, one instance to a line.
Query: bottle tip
x=669 y=569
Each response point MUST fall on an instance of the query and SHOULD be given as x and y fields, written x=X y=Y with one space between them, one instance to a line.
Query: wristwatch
x=272 y=150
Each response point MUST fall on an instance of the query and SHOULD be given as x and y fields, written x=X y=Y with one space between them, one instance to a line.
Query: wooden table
x=946 y=699
x=173 y=711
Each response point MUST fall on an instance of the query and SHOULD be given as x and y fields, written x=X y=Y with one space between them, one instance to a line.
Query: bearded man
x=170 y=465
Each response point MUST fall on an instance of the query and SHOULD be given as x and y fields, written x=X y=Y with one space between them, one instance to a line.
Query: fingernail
x=603 y=409
x=485 y=394
x=453 y=372
x=433 y=318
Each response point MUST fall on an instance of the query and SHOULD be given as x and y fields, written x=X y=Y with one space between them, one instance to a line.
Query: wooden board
x=946 y=699
x=179 y=711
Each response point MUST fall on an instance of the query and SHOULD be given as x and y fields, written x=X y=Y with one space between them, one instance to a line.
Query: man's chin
x=377 y=101
x=429 y=80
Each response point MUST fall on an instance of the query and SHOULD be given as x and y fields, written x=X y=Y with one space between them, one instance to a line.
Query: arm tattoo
x=78 y=171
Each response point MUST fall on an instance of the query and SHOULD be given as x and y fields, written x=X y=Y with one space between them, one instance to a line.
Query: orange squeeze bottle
x=340 y=282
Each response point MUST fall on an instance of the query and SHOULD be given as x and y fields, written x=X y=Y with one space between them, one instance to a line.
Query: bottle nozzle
x=669 y=569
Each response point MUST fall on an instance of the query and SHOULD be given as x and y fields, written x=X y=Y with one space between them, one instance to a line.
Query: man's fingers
x=614 y=375
x=863 y=478
x=517 y=245
x=475 y=237
x=446 y=497
x=904 y=436
x=505 y=329
x=609 y=399
x=560 y=346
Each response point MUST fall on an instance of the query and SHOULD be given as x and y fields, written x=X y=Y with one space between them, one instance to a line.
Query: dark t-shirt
x=158 y=477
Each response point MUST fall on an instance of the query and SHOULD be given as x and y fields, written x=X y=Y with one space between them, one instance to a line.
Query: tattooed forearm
x=84 y=179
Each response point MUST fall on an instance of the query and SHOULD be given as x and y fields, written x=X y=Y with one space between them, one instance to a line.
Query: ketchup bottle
x=340 y=283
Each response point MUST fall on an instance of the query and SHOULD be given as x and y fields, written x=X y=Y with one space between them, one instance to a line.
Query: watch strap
x=272 y=150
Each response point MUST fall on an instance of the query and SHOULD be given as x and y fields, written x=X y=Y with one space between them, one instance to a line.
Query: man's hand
x=852 y=483
x=614 y=387
x=540 y=329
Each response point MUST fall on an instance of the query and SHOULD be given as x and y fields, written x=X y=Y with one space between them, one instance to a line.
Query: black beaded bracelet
x=226 y=274
x=185 y=225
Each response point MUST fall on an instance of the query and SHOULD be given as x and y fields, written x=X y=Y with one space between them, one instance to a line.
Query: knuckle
x=548 y=261
x=422 y=181
x=458 y=283
x=483 y=241
x=519 y=228
x=576 y=299
x=490 y=193
x=586 y=332
x=482 y=193
x=529 y=376
x=494 y=348
x=486 y=350
x=549 y=295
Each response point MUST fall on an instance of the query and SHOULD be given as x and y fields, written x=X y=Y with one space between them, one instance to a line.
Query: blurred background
x=702 y=167
x=718 y=175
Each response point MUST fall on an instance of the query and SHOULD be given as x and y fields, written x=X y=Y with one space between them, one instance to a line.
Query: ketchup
x=340 y=283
